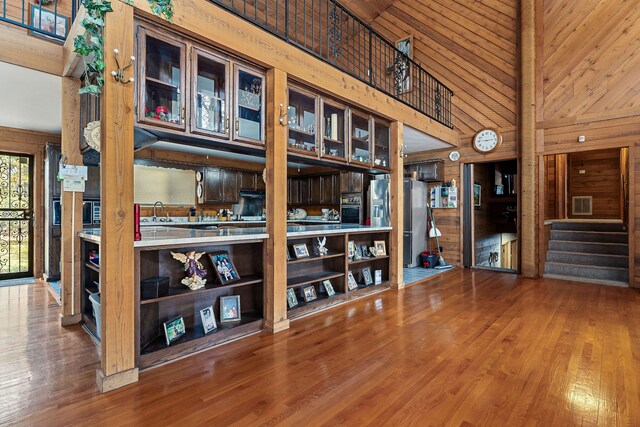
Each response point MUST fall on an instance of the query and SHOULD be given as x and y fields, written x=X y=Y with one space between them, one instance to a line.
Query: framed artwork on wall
x=48 y=21
x=477 y=195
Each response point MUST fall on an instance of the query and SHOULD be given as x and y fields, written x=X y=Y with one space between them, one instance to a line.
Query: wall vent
x=581 y=205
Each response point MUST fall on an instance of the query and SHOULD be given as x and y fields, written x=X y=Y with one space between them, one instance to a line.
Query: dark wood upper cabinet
x=351 y=182
x=303 y=190
x=360 y=137
x=210 y=100
x=260 y=184
x=334 y=141
x=92 y=186
x=247 y=180
x=293 y=193
x=326 y=185
x=212 y=183
x=302 y=121
x=230 y=186
x=381 y=147
x=161 y=79
x=315 y=190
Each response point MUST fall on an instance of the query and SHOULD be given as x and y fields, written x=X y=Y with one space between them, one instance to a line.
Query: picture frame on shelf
x=377 y=277
x=328 y=287
x=351 y=282
x=174 y=329
x=301 y=251
x=208 y=319
x=477 y=195
x=366 y=274
x=309 y=293
x=288 y=253
x=292 y=300
x=49 y=21
x=223 y=266
x=351 y=249
x=373 y=251
x=230 y=309
x=365 y=251
x=381 y=247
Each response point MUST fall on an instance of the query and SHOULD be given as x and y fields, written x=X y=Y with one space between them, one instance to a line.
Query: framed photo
x=224 y=268
x=292 y=300
x=208 y=319
x=47 y=20
x=477 y=195
x=174 y=329
x=351 y=282
x=365 y=251
x=301 y=250
x=230 y=309
x=377 y=277
x=309 y=293
x=381 y=247
x=288 y=254
x=328 y=287
x=373 y=251
x=366 y=273
x=351 y=249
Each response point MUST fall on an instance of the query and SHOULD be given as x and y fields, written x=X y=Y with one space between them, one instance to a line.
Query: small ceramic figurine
x=196 y=272
x=322 y=250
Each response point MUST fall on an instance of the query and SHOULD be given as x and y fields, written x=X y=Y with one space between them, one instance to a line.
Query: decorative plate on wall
x=92 y=135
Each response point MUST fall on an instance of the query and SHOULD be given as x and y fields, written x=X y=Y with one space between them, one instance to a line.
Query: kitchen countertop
x=174 y=236
x=184 y=222
x=321 y=230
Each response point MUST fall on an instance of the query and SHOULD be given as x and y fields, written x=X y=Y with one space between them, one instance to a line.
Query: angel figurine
x=194 y=269
x=322 y=250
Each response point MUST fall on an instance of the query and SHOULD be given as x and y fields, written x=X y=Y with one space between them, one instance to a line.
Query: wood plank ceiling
x=470 y=45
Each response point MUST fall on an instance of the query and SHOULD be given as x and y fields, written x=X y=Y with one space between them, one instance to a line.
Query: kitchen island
x=317 y=280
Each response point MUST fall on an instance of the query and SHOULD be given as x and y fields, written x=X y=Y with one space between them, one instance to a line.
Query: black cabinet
x=351 y=182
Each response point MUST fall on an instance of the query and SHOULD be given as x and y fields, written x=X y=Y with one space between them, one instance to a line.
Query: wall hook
x=283 y=115
x=119 y=74
x=402 y=147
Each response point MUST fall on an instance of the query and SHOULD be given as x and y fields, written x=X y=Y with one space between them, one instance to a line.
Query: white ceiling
x=30 y=99
x=416 y=141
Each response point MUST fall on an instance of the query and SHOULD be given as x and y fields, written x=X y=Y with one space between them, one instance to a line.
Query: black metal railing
x=330 y=32
x=50 y=19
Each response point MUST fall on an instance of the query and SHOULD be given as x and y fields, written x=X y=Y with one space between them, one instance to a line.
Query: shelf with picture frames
x=336 y=268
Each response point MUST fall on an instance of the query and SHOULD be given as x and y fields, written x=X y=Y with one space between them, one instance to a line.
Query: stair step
x=589 y=272
x=590 y=236
x=589 y=247
x=588 y=226
x=589 y=259
x=587 y=280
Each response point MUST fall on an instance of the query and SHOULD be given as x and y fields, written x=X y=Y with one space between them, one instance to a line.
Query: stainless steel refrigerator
x=379 y=202
x=416 y=197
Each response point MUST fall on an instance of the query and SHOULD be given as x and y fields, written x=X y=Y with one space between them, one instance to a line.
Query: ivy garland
x=90 y=45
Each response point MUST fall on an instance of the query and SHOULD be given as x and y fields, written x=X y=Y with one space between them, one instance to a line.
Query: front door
x=16 y=226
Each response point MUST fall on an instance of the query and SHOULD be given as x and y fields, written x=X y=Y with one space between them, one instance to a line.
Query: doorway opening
x=491 y=216
x=16 y=207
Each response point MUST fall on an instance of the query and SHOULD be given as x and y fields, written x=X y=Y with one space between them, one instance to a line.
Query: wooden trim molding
x=396 y=240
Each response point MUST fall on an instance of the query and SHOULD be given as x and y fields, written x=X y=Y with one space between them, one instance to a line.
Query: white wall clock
x=487 y=141
x=454 y=156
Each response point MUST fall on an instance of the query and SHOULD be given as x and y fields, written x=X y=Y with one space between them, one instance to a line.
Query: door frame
x=31 y=260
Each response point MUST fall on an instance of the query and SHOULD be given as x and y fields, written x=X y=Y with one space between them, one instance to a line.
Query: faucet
x=155 y=205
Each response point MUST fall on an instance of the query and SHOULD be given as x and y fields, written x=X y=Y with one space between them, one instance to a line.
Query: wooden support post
x=118 y=364
x=275 y=293
x=396 y=241
x=71 y=205
x=528 y=163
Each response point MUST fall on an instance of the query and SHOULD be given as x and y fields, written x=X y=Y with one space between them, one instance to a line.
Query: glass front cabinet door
x=249 y=100
x=381 y=149
x=302 y=121
x=210 y=87
x=360 y=138
x=161 y=97
x=334 y=117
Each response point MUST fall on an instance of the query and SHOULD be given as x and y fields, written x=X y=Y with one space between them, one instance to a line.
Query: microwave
x=90 y=212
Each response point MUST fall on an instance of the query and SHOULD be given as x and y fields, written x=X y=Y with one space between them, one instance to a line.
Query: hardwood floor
x=465 y=349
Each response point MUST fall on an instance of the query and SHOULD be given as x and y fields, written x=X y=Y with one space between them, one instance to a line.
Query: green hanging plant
x=90 y=45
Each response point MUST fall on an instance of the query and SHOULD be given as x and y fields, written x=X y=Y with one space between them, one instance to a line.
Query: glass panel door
x=249 y=105
x=381 y=150
x=210 y=103
x=162 y=91
x=360 y=149
x=302 y=121
x=16 y=228
x=333 y=131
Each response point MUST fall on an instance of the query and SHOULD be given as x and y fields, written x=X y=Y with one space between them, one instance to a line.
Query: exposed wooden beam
x=71 y=205
x=71 y=60
x=396 y=241
x=17 y=48
x=117 y=278
x=275 y=306
x=528 y=161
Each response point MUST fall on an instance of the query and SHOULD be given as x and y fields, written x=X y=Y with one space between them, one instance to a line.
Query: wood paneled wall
x=471 y=46
x=600 y=179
